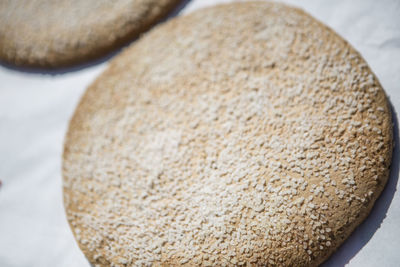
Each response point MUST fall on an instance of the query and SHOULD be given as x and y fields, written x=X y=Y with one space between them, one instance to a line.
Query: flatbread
x=241 y=134
x=46 y=33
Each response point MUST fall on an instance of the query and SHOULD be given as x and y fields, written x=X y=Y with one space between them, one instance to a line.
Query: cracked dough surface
x=241 y=134
x=48 y=33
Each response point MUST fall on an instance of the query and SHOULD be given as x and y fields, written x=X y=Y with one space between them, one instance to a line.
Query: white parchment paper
x=35 y=107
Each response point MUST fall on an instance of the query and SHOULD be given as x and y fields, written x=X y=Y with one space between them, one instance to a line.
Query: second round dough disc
x=49 y=33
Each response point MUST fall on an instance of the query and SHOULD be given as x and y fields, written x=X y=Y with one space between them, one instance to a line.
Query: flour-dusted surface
x=242 y=133
x=35 y=109
x=57 y=33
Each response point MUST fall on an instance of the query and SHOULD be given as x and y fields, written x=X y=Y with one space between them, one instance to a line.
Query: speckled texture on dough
x=51 y=33
x=242 y=134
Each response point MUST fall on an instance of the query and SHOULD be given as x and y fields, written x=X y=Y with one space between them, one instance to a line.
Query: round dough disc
x=51 y=33
x=246 y=133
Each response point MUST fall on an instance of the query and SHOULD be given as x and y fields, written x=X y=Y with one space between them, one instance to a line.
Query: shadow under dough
x=77 y=67
x=364 y=232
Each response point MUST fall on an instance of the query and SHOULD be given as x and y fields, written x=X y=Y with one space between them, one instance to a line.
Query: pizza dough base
x=173 y=117
x=43 y=33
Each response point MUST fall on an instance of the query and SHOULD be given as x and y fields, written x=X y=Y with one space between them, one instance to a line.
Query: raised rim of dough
x=45 y=33
x=240 y=133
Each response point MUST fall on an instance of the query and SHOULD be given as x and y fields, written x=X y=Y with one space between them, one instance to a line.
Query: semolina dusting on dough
x=241 y=134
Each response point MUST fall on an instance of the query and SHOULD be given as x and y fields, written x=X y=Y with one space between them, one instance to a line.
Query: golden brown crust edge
x=388 y=157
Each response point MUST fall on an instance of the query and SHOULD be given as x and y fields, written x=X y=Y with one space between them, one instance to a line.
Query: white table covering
x=35 y=108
